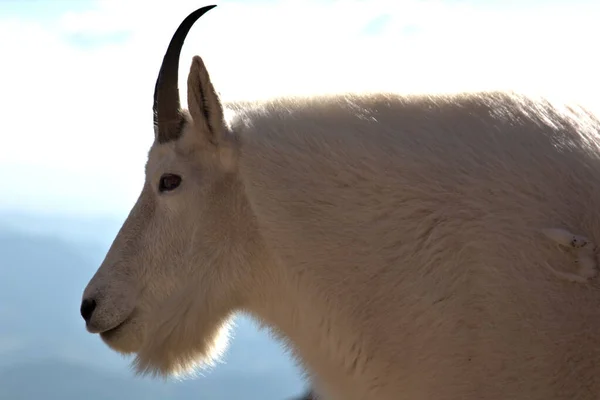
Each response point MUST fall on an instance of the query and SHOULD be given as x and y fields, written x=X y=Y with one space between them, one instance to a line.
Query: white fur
x=392 y=243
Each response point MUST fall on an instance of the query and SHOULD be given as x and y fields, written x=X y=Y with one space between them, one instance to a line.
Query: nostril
x=87 y=309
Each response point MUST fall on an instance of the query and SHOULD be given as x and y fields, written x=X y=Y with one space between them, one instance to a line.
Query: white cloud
x=77 y=120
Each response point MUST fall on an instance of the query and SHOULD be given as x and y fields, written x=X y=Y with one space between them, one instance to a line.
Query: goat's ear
x=204 y=104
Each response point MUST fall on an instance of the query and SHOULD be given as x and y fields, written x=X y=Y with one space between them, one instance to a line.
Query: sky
x=77 y=77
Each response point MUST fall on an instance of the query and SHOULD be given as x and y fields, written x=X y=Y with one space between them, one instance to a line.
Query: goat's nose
x=87 y=309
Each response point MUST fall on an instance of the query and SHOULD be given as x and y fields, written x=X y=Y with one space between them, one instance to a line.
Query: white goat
x=402 y=247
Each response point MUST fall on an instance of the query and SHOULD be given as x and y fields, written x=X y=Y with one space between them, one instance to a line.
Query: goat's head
x=180 y=264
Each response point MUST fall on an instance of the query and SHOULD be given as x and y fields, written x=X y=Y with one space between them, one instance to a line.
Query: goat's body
x=405 y=248
x=406 y=239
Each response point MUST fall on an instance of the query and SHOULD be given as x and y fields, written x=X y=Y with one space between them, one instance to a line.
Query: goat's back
x=413 y=227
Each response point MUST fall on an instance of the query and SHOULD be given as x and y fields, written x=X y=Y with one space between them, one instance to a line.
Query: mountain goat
x=402 y=247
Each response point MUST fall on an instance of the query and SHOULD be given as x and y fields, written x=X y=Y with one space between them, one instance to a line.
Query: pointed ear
x=204 y=104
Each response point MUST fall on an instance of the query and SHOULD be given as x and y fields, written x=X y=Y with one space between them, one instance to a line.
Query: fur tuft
x=184 y=338
x=584 y=250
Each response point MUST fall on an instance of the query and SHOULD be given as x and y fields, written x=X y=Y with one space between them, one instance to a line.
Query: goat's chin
x=174 y=350
x=126 y=338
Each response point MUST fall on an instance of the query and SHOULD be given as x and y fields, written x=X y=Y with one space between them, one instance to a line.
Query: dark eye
x=168 y=182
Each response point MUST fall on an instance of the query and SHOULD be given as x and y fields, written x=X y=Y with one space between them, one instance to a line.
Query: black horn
x=167 y=108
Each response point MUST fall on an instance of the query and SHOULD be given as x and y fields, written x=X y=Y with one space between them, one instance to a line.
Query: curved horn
x=167 y=108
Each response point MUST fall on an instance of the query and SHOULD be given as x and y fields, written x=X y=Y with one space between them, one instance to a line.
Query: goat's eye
x=168 y=182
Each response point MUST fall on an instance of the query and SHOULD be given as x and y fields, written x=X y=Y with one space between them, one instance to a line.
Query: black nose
x=87 y=309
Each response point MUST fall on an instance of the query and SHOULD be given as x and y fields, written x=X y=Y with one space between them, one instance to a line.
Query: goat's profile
x=403 y=247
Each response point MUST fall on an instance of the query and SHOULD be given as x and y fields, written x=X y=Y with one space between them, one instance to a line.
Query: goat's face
x=179 y=265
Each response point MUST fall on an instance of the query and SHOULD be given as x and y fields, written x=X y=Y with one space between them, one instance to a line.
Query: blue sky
x=76 y=77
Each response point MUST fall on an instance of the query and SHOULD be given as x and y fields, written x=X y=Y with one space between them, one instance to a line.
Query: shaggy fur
x=411 y=247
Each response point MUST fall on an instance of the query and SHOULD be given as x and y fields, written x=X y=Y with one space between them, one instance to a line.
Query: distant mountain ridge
x=49 y=379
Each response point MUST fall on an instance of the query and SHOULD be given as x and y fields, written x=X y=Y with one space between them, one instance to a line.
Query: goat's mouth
x=95 y=327
x=124 y=338
x=114 y=330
